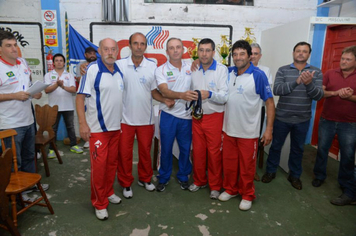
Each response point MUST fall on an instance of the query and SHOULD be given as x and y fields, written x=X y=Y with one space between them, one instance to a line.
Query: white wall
x=348 y=9
x=20 y=10
x=264 y=15
x=277 y=43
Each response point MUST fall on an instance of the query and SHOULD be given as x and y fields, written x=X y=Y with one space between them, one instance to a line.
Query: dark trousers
x=346 y=133
x=298 y=133
x=68 y=117
x=25 y=148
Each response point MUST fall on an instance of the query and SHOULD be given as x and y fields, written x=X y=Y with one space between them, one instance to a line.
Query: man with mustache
x=297 y=85
x=101 y=124
x=248 y=89
x=137 y=118
x=339 y=117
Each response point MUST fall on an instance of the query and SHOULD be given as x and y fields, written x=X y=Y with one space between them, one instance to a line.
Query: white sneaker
x=225 y=196
x=194 y=188
x=148 y=186
x=86 y=145
x=214 y=194
x=245 y=205
x=45 y=187
x=128 y=192
x=25 y=197
x=101 y=214
x=114 y=199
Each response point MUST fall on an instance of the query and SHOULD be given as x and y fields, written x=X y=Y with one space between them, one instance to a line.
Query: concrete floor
x=278 y=210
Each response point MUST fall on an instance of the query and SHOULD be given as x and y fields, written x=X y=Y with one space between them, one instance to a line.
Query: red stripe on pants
x=207 y=133
x=104 y=158
x=144 y=135
x=239 y=166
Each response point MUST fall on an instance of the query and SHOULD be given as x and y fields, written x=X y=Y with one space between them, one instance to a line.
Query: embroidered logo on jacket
x=268 y=89
x=240 y=90
x=212 y=84
x=143 y=80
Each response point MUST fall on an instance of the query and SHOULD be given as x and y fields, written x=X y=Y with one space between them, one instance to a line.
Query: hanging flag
x=77 y=45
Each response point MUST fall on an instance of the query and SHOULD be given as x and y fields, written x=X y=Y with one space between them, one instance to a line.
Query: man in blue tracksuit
x=174 y=81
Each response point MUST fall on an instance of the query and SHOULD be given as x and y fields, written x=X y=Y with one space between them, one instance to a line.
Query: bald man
x=101 y=124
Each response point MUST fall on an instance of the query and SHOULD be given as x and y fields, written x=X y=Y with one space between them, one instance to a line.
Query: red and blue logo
x=156 y=37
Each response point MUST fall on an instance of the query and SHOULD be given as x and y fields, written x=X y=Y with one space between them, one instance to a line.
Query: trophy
x=224 y=48
x=193 y=49
x=249 y=36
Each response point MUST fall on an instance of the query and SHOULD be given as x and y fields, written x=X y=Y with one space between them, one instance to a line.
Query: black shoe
x=343 y=200
x=317 y=182
x=161 y=187
x=296 y=183
x=183 y=185
x=268 y=177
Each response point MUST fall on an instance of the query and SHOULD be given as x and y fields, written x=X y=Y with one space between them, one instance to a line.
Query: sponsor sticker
x=171 y=79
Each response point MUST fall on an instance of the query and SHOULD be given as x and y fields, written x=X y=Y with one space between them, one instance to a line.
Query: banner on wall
x=77 y=45
x=157 y=36
x=30 y=45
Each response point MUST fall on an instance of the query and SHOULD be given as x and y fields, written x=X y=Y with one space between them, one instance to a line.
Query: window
x=226 y=2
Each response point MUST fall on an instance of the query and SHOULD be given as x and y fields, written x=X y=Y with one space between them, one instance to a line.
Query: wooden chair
x=21 y=181
x=46 y=117
x=261 y=148
x=5 y=170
